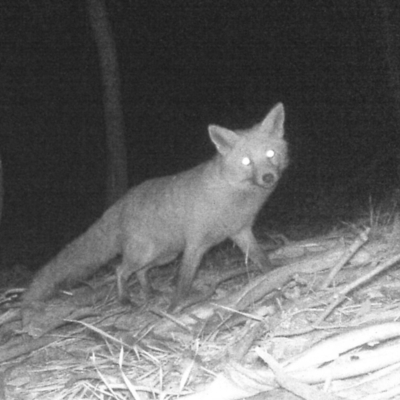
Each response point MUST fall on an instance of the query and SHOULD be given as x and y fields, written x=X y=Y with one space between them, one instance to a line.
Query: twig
x=293 y=385
x=331 y=348
x=341 y=296
x=359 y=241
x=202 y=297
x=251 y=333
x=347 y=289
x=25 y=347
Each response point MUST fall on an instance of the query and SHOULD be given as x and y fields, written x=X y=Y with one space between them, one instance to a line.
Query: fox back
x=192 y=211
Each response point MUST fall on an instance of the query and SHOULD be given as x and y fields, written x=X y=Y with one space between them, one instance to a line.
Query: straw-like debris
x=322 y=325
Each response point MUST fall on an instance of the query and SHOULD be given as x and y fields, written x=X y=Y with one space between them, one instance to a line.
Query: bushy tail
x=79 y=259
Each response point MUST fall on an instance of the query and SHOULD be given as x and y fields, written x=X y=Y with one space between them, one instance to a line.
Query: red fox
x=156 y=221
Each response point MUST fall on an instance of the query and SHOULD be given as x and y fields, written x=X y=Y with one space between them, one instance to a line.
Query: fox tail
x=79 y=259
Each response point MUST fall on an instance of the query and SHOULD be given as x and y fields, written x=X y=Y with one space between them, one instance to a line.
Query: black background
x=184 y=65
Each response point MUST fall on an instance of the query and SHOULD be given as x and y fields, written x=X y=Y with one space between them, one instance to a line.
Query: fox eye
x=246 y=161
x=270 y=153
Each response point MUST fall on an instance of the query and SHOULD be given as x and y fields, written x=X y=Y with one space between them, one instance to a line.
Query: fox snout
x=269 y=179
x=266 y=180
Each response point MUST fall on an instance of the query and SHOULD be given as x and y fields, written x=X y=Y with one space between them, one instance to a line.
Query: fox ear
x=223 y=139
x=273 y=122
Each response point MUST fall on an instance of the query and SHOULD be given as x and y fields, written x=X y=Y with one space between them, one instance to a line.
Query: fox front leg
x=248 y=244
x=190 y=262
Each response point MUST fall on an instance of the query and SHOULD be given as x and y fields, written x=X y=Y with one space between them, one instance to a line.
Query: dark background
x=184 y=65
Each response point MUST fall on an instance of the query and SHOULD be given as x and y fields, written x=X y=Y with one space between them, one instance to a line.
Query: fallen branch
x=341 y=296
x=359 y=241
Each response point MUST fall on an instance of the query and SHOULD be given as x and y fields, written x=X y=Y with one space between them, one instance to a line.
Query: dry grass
x=119 y=353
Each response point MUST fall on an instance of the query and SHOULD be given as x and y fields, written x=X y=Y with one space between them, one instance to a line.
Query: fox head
x=255 y=156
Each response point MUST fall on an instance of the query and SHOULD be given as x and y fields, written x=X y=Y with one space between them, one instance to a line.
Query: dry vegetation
x=323 y=325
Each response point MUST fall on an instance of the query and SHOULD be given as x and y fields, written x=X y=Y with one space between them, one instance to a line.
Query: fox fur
x=186 y=213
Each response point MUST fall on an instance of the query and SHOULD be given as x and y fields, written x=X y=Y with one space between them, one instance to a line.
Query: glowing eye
x=246 y=161
x=270 y=154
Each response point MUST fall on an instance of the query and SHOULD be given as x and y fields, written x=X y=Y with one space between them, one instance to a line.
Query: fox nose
x=268 y=179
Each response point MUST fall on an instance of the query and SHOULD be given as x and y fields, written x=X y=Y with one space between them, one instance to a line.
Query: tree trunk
x=1 y=190
x=117 y=180
x=391 y=53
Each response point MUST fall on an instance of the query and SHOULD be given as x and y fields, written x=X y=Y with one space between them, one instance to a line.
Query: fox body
x=187 y=213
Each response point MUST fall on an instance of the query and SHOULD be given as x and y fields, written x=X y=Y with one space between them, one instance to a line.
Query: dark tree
x=117 y=181
x=391 y=34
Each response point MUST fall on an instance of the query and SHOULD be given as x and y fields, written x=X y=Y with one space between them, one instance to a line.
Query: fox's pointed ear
x=274 y=121
x=223 y=139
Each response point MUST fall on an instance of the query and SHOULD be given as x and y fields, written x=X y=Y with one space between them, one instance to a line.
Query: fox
x=183 y=214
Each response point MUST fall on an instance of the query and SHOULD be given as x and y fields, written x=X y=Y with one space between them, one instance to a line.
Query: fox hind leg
x=139 y=261
x=123 y=272
x=137 y=256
